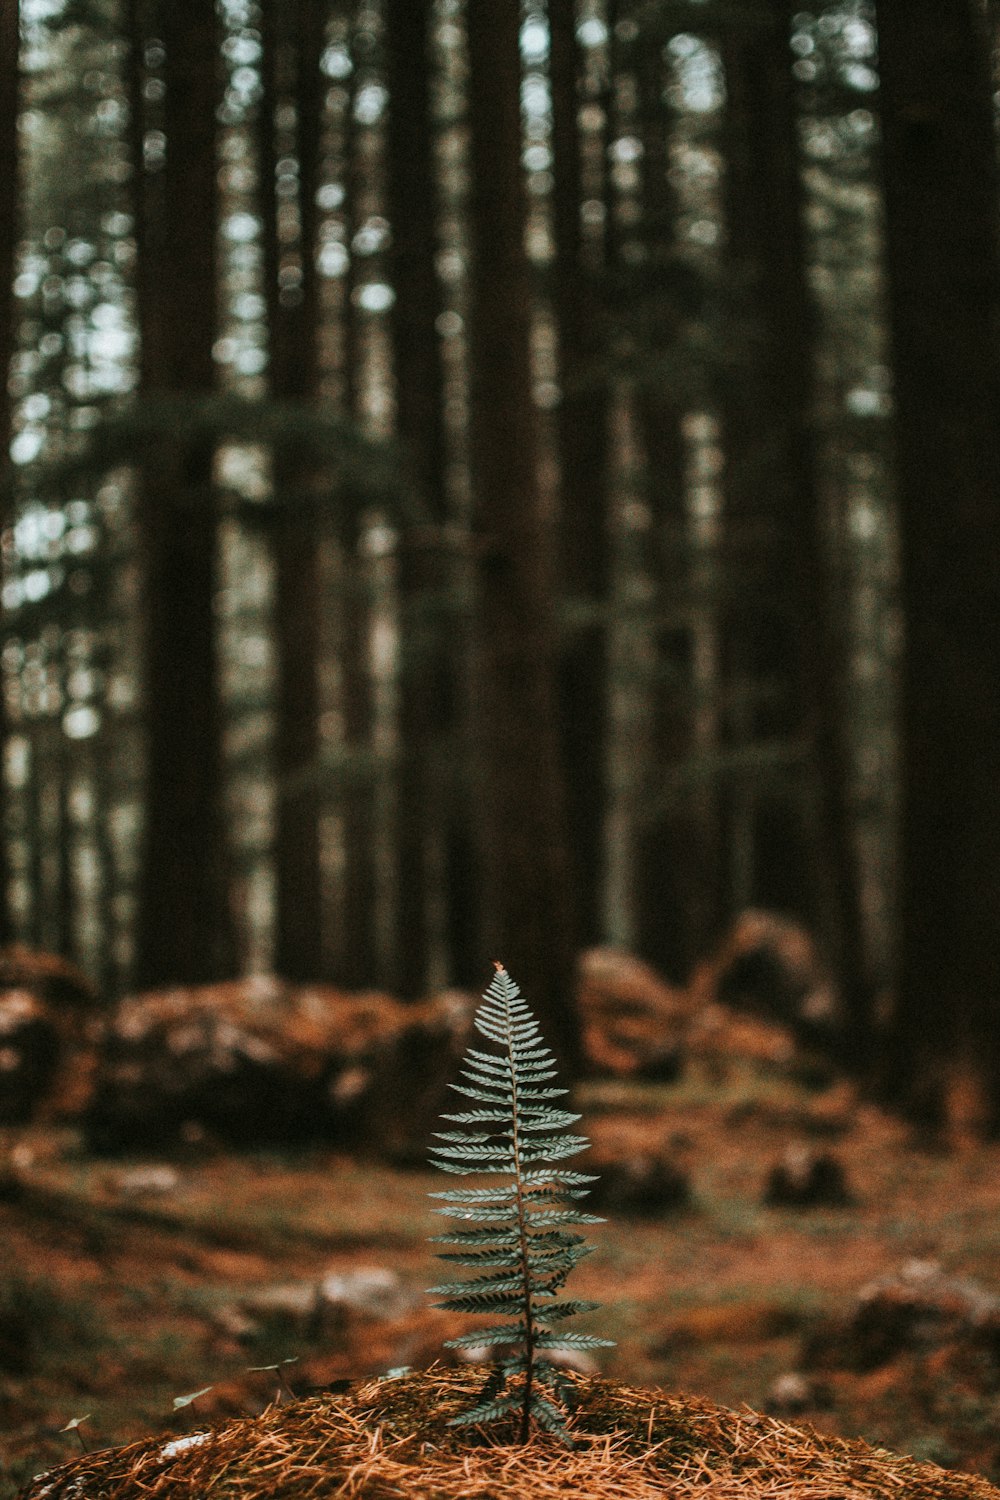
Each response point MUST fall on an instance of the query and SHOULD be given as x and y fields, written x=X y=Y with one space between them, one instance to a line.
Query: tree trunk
x=291 y=72
x=583 y=449
x=427 y=671
x=677 y=878
x=940 y=182
x=184 y=923
x=526 y=894
x=783 y=642
x=9 y=229
x=357 y=964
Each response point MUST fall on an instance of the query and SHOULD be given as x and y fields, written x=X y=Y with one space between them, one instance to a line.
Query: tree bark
x=357 y=962
x=583 y=450
x=783 y=645
x=9 y=228
x=291 y=72
x=677 y=875
x=940 y=183
x=526 y=895
x=184 y=922
x=427 y=671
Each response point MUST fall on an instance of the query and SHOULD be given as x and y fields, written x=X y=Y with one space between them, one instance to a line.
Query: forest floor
x=123 y=1288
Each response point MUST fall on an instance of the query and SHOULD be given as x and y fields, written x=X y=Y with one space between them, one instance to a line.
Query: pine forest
x=513 y=482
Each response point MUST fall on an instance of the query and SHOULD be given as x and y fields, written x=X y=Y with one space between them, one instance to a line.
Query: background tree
x=428 y=698
x=629 y=333
x=357 y=958
x=784 y=670
x=9 y=222
x=940 y=185
x=293 y=39
x=662 y=297
x=582 y=438
x=525 y=885
x=184 y=926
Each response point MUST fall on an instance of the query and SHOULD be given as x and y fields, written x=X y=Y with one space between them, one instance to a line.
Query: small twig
x=181 y=1403
x=74 y=1426
x=278 y=1369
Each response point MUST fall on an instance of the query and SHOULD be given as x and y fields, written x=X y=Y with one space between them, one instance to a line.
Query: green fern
x=522 y=1247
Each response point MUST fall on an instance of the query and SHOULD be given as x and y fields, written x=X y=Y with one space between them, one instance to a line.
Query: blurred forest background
x=493 y=479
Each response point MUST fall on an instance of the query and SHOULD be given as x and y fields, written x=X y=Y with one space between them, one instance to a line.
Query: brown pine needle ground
x=389 y=1440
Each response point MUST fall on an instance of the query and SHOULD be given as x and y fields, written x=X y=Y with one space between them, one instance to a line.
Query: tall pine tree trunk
x=427 y=672
x=763 y=835
x=519 y=797
x=293 y=40
x=184 y=923
x=583 y=449
x=357 y=958
x=940 y=183
x=677 y=879
x=9 y=228
x=783 y=644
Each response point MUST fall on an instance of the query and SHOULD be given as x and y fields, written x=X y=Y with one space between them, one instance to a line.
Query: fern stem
x=522 y=1233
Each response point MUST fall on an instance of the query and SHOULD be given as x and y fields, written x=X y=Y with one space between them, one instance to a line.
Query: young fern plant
x=518 y=1240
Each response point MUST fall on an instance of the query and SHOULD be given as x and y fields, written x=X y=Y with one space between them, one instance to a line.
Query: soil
x=124 y=1289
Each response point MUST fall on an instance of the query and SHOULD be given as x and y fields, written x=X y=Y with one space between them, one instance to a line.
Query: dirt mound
x=920 y=1309
x=259 y=1060
x=390 y=1440
x=769 y=966
x=51 y=978
x=635 y=1025
x=48 y=1014
x=633 y=1021
x=805 y=1178
x=645 y=1183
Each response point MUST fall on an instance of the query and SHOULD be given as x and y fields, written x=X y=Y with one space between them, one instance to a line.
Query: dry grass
x=389 y=1440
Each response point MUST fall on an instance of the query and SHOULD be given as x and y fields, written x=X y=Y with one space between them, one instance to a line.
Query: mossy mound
x=389 y=1440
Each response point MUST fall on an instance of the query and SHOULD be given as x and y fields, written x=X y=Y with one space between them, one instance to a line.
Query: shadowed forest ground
x=123 y=1287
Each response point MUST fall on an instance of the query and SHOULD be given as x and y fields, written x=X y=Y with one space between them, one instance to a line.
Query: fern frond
x=480 y=1285
x=483 y=1306
x=523 y=1252
x=565 y=1216
x=475 y=1116
x=477 y=1152
x=490 y=1063
x=486 y=1411
x=573 y=1341
x=477 y=1259
x=480 y=1139
x=552 y=1149
x=554 y=1265
x=477 y=1195
x=553 y=1311
x=465 y=1168
x=549 y=1119
x=568 y=1179
x=480 y=1215
x=550 y=1417
x=478 y=1093
x=557 y=1380
x=487 y=1337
